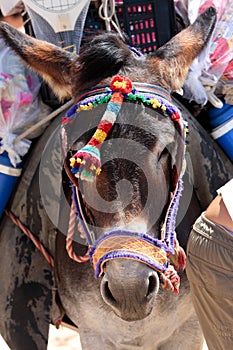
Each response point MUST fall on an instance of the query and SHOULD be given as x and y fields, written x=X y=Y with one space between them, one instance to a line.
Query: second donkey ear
x=171 y=62
x=53 y=64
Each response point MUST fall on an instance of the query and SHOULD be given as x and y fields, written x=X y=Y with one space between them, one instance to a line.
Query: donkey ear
x=171 y=62
x=49 y=61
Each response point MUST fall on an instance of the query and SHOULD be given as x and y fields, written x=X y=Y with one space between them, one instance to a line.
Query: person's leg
x=210 y=272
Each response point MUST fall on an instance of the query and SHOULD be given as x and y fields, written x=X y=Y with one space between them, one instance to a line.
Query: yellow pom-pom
x=72 y=162
x=85 y=107
x=155 y=103
x=80 y=161
x=92 y=167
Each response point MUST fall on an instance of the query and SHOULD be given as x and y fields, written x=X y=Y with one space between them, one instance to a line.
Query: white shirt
x=226 y=192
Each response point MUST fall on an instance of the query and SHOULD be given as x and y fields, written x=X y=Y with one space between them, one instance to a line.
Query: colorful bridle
x=163 y=255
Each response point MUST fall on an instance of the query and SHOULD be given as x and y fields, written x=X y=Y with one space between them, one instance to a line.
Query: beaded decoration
x=86 y=163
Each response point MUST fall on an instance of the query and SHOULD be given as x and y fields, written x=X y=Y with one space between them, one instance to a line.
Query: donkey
x=125 y=114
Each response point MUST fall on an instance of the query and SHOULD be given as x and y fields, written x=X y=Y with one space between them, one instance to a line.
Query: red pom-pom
x=122 y=84
x=175 y=116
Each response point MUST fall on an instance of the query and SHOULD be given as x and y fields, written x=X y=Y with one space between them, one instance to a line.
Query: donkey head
x=143 y=152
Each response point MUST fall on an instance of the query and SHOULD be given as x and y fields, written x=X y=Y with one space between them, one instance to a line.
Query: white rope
x=10 y=171
x=43 y=121
x=107 y=13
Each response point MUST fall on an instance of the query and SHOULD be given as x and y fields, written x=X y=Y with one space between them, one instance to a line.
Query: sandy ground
x=62 y=339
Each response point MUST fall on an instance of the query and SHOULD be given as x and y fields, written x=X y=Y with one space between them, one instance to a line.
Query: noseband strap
x=128 y=245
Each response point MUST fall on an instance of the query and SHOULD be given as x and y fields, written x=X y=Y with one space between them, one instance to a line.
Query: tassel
x=170 y=280
x=178 y=259
x=86 y=163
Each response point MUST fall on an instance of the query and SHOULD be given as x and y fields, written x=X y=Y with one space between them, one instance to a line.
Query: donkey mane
x=111 y=54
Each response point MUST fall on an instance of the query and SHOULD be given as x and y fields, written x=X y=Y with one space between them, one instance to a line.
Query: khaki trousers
x=210 y=272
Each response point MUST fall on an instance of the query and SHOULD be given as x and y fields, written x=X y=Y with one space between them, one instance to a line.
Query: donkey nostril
x=107 y=294
x=152 y=285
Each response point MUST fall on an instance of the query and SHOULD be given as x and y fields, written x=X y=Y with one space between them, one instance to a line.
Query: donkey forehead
x=147 y=119
x=132 y=181
x=138 y=136
x=141 y=122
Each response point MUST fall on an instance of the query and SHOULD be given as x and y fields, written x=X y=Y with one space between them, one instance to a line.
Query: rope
x=69 y=238
x=43 y=121
x=42 y=249
x=170 y=279
x=36 y=242
x=106 y=13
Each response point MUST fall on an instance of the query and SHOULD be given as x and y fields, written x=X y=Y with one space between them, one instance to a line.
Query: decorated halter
x=163 y=255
